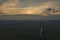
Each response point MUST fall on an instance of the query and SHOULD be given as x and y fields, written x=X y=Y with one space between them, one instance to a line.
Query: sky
x=13 y=7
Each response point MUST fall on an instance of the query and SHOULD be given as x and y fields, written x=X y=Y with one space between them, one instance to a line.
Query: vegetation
x=29 y=30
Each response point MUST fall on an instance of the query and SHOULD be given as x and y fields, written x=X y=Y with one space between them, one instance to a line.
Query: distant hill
x=29 y=17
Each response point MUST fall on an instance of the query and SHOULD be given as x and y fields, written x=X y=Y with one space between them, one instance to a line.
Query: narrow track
x=42 y=33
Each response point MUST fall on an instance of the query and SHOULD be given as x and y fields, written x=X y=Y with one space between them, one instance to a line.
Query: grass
x=29 y=30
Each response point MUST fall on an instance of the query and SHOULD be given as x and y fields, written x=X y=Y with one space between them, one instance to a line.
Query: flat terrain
x=29 y=29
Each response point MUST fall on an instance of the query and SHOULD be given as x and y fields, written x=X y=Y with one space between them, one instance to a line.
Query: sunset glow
x=13 y=7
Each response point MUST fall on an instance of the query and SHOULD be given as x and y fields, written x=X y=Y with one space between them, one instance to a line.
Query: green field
x=29 y=30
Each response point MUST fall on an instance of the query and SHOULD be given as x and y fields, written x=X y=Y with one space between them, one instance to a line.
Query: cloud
x=13 y=7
